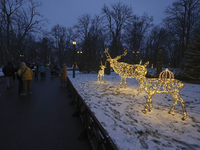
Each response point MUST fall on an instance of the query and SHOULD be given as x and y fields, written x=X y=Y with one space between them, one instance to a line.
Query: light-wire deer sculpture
x=126 y=70
x=101 y=73
x=162 y=85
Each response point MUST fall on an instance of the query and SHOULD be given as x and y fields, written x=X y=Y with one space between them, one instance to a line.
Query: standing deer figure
x=126 y=70
x=101 y=73
x=159 y=85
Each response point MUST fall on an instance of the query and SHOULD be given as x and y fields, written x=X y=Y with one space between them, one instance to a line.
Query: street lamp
x=74 y=43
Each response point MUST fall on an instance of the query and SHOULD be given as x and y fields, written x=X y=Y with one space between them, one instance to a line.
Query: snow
x=1 y=73
x=119 y=112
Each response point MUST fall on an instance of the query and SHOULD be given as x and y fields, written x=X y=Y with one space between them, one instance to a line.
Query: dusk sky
x=66 y=12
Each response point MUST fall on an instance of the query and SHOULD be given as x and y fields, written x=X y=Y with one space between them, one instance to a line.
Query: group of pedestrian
x=55 y=70
x=24 y=75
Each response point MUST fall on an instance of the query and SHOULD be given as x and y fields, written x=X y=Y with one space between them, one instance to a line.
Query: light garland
x=101 y=73
x=126 y=70
x=164 y=84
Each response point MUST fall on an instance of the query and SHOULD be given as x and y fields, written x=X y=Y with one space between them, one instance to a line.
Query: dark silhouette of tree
x=62 y=43
x=117 y=17
x=158 y=38
x=90 y=35
x=18 y=19
x=135 y=35
x=182 y=17
x=159 y=63
x=192 y=59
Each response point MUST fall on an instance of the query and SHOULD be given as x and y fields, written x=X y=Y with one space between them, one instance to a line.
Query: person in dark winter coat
x=20 y=85
x=9 y=72
x=26 y=75
x=36 y=72
x=42 y=70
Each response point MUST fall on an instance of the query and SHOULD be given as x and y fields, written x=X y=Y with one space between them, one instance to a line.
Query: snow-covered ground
x=119 y=111
x=1 y=73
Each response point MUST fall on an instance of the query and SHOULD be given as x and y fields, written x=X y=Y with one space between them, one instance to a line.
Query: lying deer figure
x=126 y=70
x=158 y=85
x=101 y=73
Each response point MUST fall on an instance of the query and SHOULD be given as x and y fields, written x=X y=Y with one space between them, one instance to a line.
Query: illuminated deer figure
x=126 y=70
x=101 y=73
x=162 y=85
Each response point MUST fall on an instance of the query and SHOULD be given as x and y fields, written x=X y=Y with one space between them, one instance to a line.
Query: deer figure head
x=140 y=70
x=114 y=60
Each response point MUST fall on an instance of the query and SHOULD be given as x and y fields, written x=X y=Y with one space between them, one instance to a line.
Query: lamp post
x=74 y=43
x=135 y=53
x=21 y=57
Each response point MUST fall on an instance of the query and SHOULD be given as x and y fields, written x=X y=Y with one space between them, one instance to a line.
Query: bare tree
x=91 y=38
x=19 y=18
x=62 y=41
x=156 y=40
x=116 y=19
x=135 y=35
x=181 y=19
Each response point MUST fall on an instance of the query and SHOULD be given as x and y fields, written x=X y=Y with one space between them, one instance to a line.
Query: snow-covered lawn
x=119 y=111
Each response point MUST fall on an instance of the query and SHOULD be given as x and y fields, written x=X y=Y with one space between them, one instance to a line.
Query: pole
x=74 y=63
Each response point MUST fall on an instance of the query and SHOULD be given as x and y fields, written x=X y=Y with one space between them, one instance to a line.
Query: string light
x=101 y=73
x=164 y=84
x=126 y=70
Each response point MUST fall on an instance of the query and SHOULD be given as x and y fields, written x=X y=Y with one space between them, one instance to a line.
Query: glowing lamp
x=74 y=42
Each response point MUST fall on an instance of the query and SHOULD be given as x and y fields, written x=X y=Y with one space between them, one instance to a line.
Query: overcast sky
x=66 y=12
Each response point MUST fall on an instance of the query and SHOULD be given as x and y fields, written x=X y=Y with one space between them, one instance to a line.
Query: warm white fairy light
x=126 y=70
x=101 y=73
x=164 y=84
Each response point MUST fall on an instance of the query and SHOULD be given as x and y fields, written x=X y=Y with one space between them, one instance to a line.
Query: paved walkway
x=41 y=121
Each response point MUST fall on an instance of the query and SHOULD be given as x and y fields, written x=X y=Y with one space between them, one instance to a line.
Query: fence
x=93 y=130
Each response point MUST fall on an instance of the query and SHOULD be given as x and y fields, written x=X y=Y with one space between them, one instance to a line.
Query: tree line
x=116 y=28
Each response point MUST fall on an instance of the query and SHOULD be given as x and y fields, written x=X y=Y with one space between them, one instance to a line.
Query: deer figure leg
x=148 y=101
x=175 y=102
x=177 y=97
x=125 y=83
x=104 y=79
x=141 y=85
x=120 y=83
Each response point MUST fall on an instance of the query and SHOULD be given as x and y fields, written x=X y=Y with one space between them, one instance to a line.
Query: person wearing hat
x=26 y=75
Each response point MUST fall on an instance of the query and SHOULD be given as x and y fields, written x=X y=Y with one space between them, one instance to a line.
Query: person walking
x=26 y=75
x=20 y=85
x=41 y=69
x=36 y=72
x=63 y=76
x=9 y=72
x=52 y=69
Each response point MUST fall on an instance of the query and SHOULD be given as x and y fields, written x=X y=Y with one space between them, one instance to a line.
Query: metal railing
x=93 y=130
